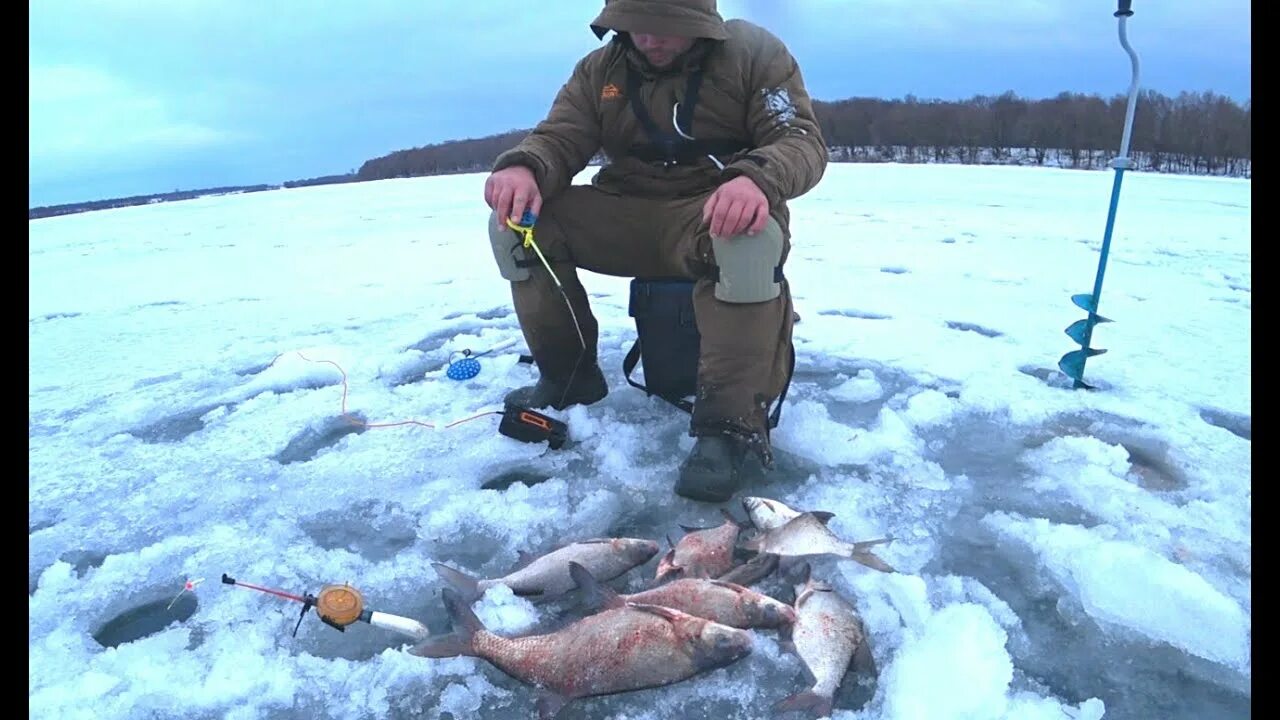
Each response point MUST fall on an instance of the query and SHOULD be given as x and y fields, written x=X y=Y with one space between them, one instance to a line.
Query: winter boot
x=713 y=470
x=587 y=387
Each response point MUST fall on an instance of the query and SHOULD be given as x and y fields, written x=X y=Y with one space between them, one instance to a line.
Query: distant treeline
x=325 y=180
x=52 y=210
x=1201 y=133
x=1193 y=133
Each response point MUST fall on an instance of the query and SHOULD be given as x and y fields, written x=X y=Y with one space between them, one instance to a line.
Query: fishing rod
x=339 y=606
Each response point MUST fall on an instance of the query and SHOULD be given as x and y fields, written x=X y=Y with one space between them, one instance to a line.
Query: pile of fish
x=697 y=615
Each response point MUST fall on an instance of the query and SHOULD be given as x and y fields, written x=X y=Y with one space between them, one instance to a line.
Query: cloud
x=293 y=89
x=86 y=115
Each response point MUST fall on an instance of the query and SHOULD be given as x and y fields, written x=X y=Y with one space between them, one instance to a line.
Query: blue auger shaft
x=1102 y=269
x=1120 y=164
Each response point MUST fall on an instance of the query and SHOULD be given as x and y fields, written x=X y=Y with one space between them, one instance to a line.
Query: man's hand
x=736 y=206
x=510 y=191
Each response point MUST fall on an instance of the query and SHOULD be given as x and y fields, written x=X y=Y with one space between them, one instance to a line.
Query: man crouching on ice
x=709 y=131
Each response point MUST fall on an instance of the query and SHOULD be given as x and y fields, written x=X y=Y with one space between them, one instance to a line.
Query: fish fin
x=730 y=585
x=863 y=662
x=460 y=612
x=823 y=516
x=754 y=543
x=806 y=573
x=752 y=571
x=870 y=559
x=794 y=570
x=667 y=566
x=465 y=623
x=812 y=586
x=859 y=546
x=590 y=541
x=667 y=575
x=467 y=586
x=807 y=701
x=786 y=640
x=596 y=595
x=873 y=561
x=523 y=559
x=550 y=704
x=809 y=678
x=665 y=613
x=446 y=646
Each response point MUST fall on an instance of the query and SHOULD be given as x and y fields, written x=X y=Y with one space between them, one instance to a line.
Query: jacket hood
x=686 y=18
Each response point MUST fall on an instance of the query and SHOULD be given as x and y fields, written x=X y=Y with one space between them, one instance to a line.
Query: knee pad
x=508 y=250
x=749 y=265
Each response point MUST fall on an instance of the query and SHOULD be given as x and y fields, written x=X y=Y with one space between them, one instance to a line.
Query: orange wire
x=473 y=417
x=357 y=421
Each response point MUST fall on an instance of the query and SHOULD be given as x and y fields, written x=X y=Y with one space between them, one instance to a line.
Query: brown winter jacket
x=751 y=92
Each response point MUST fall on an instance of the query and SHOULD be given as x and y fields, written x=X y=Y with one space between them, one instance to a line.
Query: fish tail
x=807 y=701
x=794 y=570
x=442 y=647
x=466 y=585
x=863 y=661
x=752 y=571
x=872 y=543
x=596 y=595
x=466 y=625
x=866 y=557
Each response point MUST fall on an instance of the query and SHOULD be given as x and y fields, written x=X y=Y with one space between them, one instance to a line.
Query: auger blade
x=1085 y=302
x=1072 y=364
x=1076 y=330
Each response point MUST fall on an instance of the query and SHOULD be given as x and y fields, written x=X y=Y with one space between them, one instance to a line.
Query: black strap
x=685 y=151
x=633 y=358
x=684 y=117
x=671 y=148
x=776 y=415
x=714 y=274
x=629 y=365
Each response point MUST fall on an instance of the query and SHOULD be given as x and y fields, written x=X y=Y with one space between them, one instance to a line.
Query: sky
x=1061 y=555
x=141 y=97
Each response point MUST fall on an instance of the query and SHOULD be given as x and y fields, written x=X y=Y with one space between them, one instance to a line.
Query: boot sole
x=604 y=393
x=581 y=401
x=589 y=400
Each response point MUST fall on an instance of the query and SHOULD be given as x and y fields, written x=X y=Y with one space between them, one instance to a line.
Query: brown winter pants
x=745 y=351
